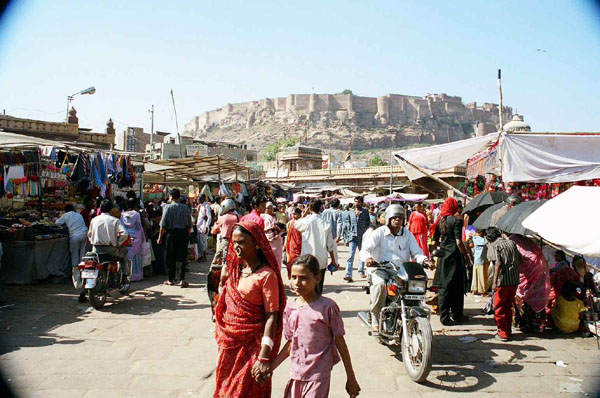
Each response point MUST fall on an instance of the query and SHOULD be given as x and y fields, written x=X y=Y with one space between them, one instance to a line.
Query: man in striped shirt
x=504 y=255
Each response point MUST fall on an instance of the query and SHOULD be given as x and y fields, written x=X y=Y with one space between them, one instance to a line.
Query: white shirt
x=382 y=245
x=204 y=217
x=104 y=230
x=74 y=222
x=316 y=238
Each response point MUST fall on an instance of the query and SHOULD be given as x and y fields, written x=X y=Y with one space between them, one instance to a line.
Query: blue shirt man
x=354 y=224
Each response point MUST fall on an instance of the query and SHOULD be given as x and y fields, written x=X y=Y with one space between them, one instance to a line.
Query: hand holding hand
x=261 y=371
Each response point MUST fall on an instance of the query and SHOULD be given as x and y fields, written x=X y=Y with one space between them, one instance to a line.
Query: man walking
x=176 y=225
x=354 y=224
x=77 y=242
x=316 y=238
x=333 y=217
x=203 y=224
x=503 y=253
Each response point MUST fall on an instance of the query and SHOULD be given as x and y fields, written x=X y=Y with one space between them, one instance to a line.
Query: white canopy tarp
x=569 y=220
x=549 y=158
x=441 y=157
x=17 y=140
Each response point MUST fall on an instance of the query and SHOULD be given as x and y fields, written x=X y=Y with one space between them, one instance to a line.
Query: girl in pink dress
x=314 y=330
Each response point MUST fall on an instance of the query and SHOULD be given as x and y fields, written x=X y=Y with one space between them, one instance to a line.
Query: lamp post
x=89 y=90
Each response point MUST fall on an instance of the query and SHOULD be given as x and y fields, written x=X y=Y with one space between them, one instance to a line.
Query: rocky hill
x=348 y=122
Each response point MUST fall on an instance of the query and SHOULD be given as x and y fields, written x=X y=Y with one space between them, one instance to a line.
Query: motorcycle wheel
x=99 y=293
x=417 y=356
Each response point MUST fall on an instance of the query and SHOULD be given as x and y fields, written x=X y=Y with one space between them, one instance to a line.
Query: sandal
x=184 y=284
x=168 y=283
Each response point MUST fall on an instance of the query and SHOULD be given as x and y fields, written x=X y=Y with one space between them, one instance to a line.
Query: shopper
x=504 y=255
x=175 y=229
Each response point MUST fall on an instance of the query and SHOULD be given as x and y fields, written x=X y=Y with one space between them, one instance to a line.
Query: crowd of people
x=255 y=241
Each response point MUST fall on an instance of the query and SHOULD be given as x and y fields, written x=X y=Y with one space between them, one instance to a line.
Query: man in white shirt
x=77 y=233
x=203 y=222
x=316 y=238
x=107 y=235
x=392 y=242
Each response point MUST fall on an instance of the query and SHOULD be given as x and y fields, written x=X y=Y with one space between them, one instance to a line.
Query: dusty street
x=158 y=342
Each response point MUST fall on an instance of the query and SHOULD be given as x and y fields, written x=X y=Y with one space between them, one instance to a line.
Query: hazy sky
x=212 y=53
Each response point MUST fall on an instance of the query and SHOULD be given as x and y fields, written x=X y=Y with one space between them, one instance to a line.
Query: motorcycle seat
x=105 y=258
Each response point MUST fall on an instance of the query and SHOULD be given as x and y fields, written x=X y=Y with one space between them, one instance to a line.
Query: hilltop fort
x=347 y=121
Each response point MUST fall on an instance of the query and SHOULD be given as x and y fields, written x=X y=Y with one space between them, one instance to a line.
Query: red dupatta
x=448 y=209
x=240 y=326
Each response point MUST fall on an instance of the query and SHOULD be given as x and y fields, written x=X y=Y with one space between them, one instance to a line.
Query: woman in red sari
x=248 y=315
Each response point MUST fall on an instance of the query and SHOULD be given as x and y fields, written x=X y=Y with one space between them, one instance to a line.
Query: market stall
x=39 y=177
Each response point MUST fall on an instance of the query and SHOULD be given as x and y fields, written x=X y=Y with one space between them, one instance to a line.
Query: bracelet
x=263 y=360
x=266 y=340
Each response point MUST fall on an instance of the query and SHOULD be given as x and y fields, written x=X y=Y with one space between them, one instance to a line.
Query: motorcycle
x=102 y=276
x=404 y=319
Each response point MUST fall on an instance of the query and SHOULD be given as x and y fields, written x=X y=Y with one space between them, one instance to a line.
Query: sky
x=215 y=52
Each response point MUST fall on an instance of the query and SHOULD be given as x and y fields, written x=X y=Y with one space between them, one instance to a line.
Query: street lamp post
x=89 y=90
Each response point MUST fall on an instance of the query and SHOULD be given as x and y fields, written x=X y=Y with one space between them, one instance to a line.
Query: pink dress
x=312 y=329
x=275 y=240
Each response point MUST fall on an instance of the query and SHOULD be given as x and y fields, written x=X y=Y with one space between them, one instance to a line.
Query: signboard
x=196 y=150
x=483 y=163
x=277 y=173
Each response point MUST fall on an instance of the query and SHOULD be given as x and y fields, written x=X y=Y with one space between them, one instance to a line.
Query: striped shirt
x=505 y=253
x=176 y=216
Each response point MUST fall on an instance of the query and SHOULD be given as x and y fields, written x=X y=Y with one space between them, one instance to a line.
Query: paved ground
x=158 y=342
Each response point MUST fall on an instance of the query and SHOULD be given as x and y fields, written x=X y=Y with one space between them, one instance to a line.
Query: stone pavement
x=158 y=342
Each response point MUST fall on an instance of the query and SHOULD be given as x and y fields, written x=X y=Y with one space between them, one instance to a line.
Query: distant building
x=236 y=152
x=58 y=131
x=300 y=157
x=516 y=124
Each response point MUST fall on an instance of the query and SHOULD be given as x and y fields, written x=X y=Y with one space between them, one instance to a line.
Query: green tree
x=347 y=91
x=376 y=160
x=270 y=152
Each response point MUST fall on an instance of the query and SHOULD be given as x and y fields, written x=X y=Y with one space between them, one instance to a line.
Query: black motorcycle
x=404 y=319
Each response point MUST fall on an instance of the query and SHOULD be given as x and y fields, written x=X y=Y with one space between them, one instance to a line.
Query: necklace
x=245 y=274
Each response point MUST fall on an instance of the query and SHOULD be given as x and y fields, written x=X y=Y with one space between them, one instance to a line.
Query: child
x=567 y=309
x=315 y=332
x=480 y=263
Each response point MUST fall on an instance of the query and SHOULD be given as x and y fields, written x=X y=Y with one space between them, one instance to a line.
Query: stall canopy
x=550 y=157
x=189 y=169
x=440 y=157
x=8 y=140
x=570 y=220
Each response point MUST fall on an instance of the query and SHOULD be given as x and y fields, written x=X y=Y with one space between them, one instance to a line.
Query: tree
x=376 y=160
x=347 y=91
x=271 y=151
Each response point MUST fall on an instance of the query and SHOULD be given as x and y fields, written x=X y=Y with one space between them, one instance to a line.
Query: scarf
x=448 y=209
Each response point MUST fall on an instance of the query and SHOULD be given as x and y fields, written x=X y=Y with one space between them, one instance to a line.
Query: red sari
x=240 y=326
x=293 y=245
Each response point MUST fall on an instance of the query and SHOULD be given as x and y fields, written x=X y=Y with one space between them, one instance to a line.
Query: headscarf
x=448 y=209
x=231 y=335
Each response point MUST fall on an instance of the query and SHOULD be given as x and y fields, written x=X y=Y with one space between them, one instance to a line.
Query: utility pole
x=152 y=133
x=500 y=94
x=391 y=170
x=177 y=125
x=329 y=160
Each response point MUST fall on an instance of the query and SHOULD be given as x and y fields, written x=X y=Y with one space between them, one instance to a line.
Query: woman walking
x=273 y=232
x=450 y=275
x=132 y=221
x=248 y=314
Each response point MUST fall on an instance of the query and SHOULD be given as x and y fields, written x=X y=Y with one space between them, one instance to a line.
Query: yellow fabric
x=566 y=314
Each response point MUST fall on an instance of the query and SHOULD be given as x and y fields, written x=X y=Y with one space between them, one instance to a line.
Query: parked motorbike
x=404 y=319
x=101 y=277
